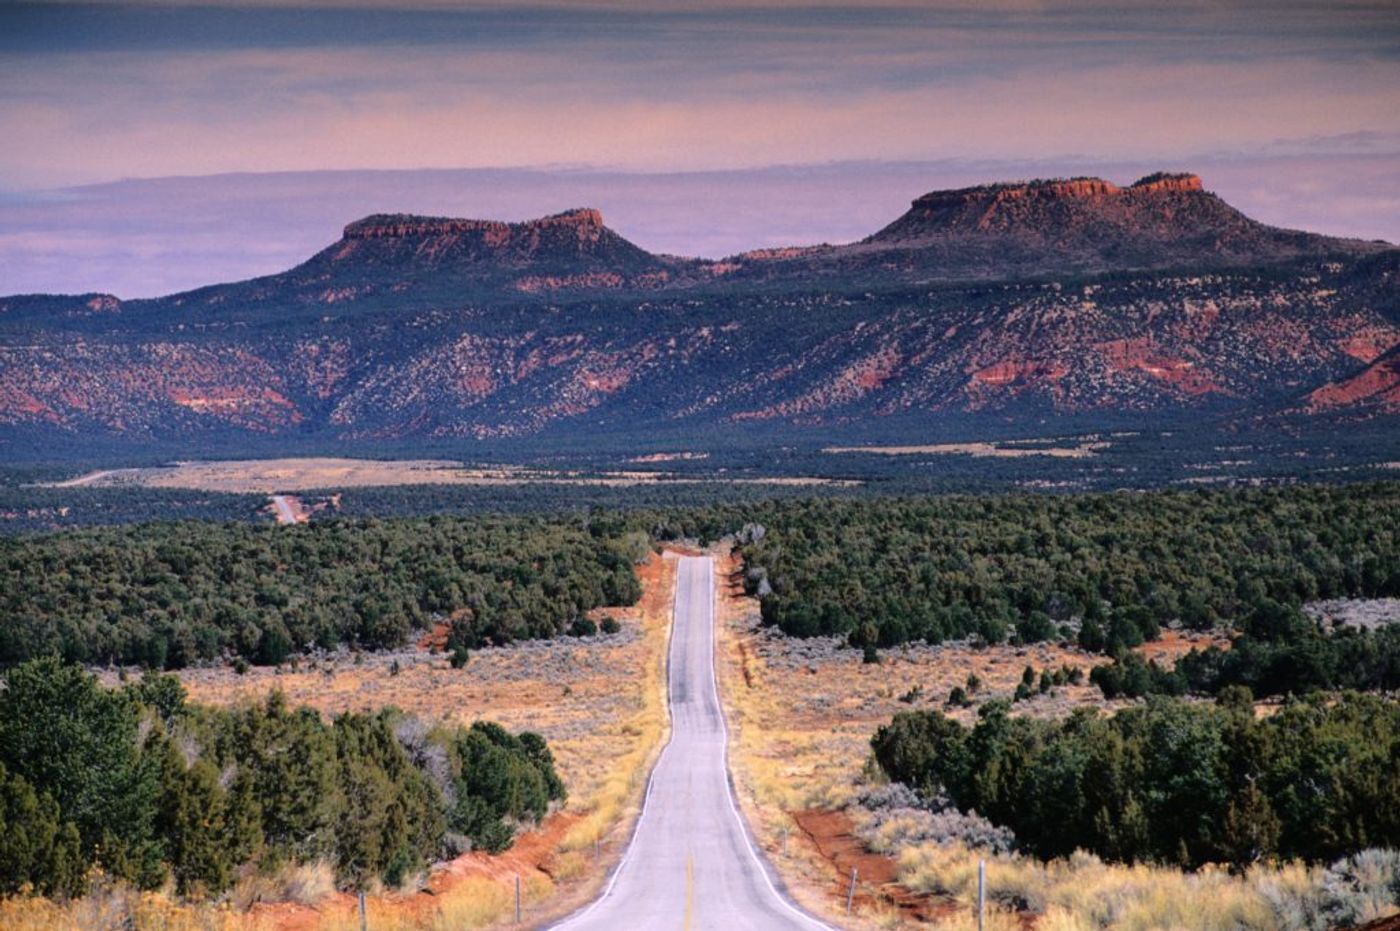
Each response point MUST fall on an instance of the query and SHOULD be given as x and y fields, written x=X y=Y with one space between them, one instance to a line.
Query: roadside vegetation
x=166 y=596
x=1169 y=782
x=1094 y=808
x=1106 y=571
x=1279 y=651
x=137 y=786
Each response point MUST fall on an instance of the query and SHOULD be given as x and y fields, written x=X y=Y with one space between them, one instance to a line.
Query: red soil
x=532 y=854
x=831 y=832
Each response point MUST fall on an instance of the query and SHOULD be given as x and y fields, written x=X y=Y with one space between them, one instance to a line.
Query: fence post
x=517 y=898
x=364 y=919
x=981 y=892
x=851 y=892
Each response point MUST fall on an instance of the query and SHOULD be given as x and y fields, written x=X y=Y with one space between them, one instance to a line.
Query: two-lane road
x=691 y=863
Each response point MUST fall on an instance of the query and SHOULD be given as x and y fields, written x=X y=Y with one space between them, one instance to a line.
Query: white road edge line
x=651 y=777
x=729 y=784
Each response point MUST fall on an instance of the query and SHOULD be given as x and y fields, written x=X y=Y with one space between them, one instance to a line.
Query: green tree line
x=169 y=595
x=1170 y=781
x=1107 y=569
x=1278 y=651
x=150 y=788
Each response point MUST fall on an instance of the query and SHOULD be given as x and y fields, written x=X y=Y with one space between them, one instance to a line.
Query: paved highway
x=286 y=514
x=691 y=863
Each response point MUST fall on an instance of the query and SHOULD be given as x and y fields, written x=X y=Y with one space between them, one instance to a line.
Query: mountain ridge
x=1022 y=301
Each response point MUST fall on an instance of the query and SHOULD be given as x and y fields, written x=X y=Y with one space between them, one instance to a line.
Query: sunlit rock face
x=1025 y=301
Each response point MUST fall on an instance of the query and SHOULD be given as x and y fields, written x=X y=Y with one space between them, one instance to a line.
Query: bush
x=610 y=625
x=498 y=776
x=150 y=789
x=168 y=595
x=38 y=849
x=951 y=567
x=1171 y=781
x=1035 y=627
x=459 y=656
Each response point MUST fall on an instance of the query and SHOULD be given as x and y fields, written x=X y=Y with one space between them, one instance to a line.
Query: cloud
x=89 y=117
x=91 y=93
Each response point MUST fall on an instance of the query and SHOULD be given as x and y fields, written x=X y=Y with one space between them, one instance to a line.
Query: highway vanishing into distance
x=692 y=863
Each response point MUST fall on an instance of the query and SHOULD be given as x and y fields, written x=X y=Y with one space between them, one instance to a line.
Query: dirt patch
x=598 y=700
x=269 y=476
x=979 y=450
x=1172 y=645
x=877 y=886
x=289 y=509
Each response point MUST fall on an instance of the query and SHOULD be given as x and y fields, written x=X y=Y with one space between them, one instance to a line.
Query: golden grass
x=780 y=764
x=475 y=903
x=268 y=476
x=601 y=704
x=1083 y=893
x=301 y=883
x=617 y=790
x=800 y=735
x=1008 y=450
x=120 y=908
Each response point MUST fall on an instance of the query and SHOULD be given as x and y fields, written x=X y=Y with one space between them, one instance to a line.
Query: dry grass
x=802 y=713
x=599 y=701
x=1007 y=450
x=1085 y=894
x=122 y=910
x=301 y=884
x=267 y=476
x=779 y=763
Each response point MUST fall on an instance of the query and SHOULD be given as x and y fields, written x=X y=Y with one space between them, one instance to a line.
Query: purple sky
x=665 y=115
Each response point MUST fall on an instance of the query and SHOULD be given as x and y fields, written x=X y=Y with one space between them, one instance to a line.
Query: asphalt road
x=691 y=863
x=285 y=513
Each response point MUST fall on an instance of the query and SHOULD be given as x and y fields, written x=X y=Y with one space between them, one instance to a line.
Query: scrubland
x=600 y=703
x=802 y=712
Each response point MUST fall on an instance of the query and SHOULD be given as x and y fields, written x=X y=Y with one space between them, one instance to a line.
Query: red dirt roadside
x=531 y=855
x=833 y=834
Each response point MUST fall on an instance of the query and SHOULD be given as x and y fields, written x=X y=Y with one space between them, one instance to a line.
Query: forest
x=1105 y=570
x=1108 y=570
x=172 y=594
x=149 y=788
x=1170 y=781
x=1278 y=651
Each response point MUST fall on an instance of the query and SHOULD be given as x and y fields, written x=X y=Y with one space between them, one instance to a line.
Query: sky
x=146 y=148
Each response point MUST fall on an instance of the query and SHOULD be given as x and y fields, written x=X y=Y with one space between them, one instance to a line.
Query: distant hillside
x=1064 y=226
x=1022 y=302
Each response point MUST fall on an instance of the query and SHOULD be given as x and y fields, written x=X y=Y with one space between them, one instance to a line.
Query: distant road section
x=288 y=509
x=691 y=863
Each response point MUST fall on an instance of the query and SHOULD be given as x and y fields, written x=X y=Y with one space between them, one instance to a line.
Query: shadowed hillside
x=1028 y=301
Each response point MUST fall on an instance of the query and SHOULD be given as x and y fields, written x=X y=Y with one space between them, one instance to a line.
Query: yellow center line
x=689 y=890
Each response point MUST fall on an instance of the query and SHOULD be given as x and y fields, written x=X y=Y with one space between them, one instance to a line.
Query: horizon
x=138 y=238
